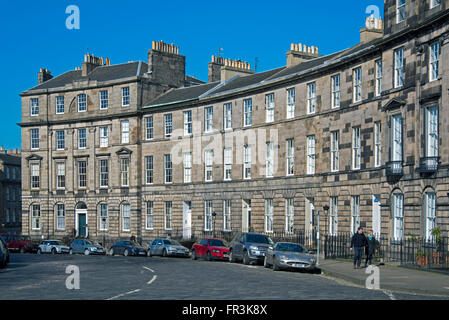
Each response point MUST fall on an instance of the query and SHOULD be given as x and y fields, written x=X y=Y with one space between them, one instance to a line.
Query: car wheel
x=275 y=266
x=22 y=250
x=39 y=251
x=164 y=253
x=149 y=254
x=246 y=258
x=194 y=255
x=86 y=252
x=126 y=253
x=53 y=251
x=111 y=252
x=208 y=256
x=265 y=263
x=70 y=251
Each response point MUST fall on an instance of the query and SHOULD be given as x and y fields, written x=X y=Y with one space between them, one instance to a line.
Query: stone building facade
x=10 y=189
x=358 y=134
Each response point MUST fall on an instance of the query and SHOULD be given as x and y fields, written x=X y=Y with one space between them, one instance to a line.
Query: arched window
x=429 y=214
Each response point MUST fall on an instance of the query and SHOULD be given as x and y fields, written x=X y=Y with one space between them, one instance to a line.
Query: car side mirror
x=271 y=248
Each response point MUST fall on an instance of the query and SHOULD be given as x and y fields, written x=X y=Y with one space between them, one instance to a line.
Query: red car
x=19 y=243
x=211 y=249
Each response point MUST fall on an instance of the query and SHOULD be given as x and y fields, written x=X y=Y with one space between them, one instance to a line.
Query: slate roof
x=10 y=159
x=100 y=74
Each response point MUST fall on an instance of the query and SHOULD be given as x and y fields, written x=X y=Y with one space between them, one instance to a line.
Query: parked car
x=19 y=243
x=287 y=255
x=249 y=247
x=53 y=247
x=4 y=254
x=211 y=249
x=127 y=248
x=167 y=247
x=86 y=247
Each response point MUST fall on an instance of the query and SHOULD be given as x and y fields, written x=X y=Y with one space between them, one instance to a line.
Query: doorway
x=81 y=220
x=376 y=216
x=246 y=215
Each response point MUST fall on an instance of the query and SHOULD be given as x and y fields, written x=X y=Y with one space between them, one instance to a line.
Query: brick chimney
x=165 y=65
x=299 y=53
x=374 y=28
x=222 y=69
x=91 y=62
x=43 y=75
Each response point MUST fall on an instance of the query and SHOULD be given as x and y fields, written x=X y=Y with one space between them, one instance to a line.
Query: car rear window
x=258 y=238
x=216 y=243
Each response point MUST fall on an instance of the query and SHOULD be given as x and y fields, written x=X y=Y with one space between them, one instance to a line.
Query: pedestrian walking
x=358 y=243
x=371 y=248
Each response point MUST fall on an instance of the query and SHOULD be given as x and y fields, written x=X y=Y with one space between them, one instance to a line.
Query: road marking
x=389 y=294
x=446 y=288
x=149 y=269
x=124 y=294
x=152 y=280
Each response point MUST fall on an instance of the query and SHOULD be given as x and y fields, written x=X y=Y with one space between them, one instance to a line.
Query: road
x=36 y=277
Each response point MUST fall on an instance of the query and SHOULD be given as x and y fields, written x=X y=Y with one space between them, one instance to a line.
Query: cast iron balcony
x=428 y=164
x=394 y=168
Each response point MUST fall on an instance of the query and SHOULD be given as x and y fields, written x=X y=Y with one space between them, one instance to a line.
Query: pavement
x=393 y=278
x=43 y=277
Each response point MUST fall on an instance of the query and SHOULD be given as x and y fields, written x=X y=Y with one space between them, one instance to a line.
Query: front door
x=376 y=216
x=187 y=219
x=82 y=223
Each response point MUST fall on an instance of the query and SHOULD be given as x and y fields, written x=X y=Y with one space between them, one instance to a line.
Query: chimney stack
x=43 y=75
x=91 y=62
x=166 y=65
x=222 y=69
x=374 y=28
x=300 y=52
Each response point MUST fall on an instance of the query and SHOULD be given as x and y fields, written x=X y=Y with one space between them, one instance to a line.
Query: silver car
x=167 y=247
x=53 y=247
x=287 y=255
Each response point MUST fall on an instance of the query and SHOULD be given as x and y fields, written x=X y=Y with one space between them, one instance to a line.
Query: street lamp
x=326 y=210
x=214 y=216
x=318 y=238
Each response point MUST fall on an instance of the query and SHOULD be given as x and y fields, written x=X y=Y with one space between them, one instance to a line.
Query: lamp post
x=326 y=210
x=214 y=216
x=318 y=238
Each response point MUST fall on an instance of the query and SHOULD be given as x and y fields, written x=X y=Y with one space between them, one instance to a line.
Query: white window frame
x=398 y=216
x=60 y=216
x=149 y=128
x=291 y=102
x=400 y=10
x=104 y=173
x=247 y=162
x=149 y=170
x=290 y=161
x=35 y=217
x=168 y=215
x=34 y=138
x=377 y=144
x=126 y=217
x=431 y=130
x=357 y=85
x=269 y=106
x=34 y=107
x=125 y=96
x=396 y=137
x=208 y=209
x=434 y=61
x=355 y=213
x=187 y=160
x=80 y=138
x=228 y=157
x=124 y=172
x=434 y=3
x=60 y=140
x=398 y=67
x=124 y=125
x=379 y=76
x=82 y=174
x=168 y=169
x=104 y=136
x=429 y=215
x=289 y=215
x=149 y=217
x=333 y=216
x=60 y=175
x=168 y=120
x=227 y=212
x=104 y=99
x=356 y=148
x=59 y=101
x=188 y=123
x=104 y=216
x=248 y=112
x=311 y=98
x=336 y=91
x=208 y=119
x=311 y=145
x=82 y=102
x=35 y=176
x=208 y=165
x=335 y=151
x=269 y=165
x=269 y=216
x=227 y=112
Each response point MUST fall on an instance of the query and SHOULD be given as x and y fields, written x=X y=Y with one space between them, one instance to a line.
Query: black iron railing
x=428 y=164
x=394 y=168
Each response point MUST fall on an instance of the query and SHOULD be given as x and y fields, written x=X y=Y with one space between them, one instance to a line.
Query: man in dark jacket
x=358 y=243
x=371 y=248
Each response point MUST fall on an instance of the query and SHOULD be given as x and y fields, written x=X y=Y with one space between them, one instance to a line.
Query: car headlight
x=171 y=249
x=283 y=257
x=253 y=248
x=216 y=251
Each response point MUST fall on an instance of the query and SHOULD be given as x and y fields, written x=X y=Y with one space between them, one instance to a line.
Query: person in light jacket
x=371 y=248
x=358 y=243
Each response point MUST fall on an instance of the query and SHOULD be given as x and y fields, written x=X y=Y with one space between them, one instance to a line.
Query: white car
x=53 y=247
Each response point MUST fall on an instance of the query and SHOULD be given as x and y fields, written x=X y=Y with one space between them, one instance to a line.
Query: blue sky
x=33 y=35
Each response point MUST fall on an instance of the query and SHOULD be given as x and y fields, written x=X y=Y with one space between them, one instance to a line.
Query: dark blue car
x=127 y=248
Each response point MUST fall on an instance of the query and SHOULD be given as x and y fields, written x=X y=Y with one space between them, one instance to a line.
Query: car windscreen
x=258 y=238
x=54 y=243
x=172 y=242
x=292 y=247
x=216 y=243
x=25 y=238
